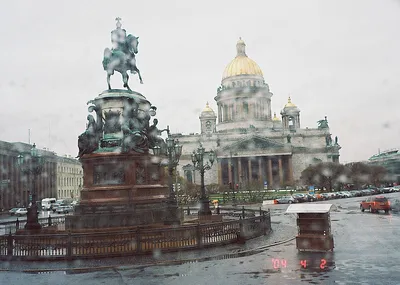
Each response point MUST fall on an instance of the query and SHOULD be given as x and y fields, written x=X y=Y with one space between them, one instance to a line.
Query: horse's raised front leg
x=140 y=77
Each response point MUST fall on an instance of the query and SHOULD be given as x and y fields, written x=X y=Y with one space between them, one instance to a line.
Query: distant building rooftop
x=392 y=153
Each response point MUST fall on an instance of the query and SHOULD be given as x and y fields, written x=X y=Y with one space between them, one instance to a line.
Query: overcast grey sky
x=337 y=58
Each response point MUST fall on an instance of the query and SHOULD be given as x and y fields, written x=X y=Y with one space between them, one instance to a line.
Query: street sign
x=311 y=190
x=5 y=181
x=265 y=185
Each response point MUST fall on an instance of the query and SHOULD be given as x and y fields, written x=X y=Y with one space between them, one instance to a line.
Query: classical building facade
x=69 y=178
x=390 y=160
x=252 y=143
x=15 y=187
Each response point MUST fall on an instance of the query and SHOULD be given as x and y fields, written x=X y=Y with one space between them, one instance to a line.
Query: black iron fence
x=116 y=242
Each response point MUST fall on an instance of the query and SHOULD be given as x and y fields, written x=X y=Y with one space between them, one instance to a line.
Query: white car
x=21 y=212
x=64 y=209
x=344 y=194
x=286 y=200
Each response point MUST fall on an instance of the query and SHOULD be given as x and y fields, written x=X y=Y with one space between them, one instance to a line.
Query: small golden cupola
x=289 y=104
x=275 y=118
x=208 y=120
x=290 y=116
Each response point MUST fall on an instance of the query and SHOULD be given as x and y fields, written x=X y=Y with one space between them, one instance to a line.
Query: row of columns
x=261 y=109
x=240 y=170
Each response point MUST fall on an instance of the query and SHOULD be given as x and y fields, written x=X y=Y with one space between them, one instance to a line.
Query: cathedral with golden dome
x=252 y=144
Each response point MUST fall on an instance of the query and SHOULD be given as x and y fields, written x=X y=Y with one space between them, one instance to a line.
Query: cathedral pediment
x=254 y=145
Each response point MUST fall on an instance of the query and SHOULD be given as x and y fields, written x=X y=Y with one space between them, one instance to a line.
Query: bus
x=47 y=203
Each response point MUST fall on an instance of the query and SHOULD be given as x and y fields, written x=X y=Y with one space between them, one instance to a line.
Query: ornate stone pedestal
x=123 y=183
x=121 y=189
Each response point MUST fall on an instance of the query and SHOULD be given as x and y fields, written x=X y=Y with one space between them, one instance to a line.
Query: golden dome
x=207 y=112
x=289 y=103
x=241 y=64
x=275 y=118
x=208 y=109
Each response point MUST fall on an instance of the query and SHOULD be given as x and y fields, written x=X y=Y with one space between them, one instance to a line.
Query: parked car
x=64 y=209
x=55 y=206
x=396 y=188
x=386 y=190
x=325 y=196
x=21 y=212
x=12 y=211
x=375 y=204
x=311 y=198
x=300 y=197
x=285 y=200
x=366 y=192
x=333 y=195
x=344 y=194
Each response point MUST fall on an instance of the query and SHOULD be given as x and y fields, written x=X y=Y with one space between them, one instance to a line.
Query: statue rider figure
x=118 y=36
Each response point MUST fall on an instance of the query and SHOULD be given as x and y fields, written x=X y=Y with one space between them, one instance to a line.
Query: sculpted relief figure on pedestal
x=88 y=141
x=134 y=133
x=155 y=138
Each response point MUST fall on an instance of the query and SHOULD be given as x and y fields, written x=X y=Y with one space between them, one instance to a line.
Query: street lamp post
x=32 y=164
x=174 y=152
x=198 y=162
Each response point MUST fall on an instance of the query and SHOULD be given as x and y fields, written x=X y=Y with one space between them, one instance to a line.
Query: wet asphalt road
x=366 y=252
x=8 y=218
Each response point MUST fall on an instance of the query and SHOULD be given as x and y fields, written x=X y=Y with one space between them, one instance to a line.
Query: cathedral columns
x=220 y=181
x=276 y=170
x=280 y=171
x=290 y=170
x=250 y=172
x=230 y=170
x=270 y=181
x=240 y=170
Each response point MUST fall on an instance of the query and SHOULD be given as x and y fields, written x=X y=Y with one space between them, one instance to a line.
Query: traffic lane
x=353 y=202
x=10 y=219
x=42 y=214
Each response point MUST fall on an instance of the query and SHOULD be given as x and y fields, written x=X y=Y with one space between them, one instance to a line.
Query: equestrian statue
x=121 y=57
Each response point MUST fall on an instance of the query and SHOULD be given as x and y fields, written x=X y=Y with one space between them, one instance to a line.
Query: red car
x=376 y=203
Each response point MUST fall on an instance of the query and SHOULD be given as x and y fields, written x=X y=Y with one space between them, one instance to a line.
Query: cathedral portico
x=256 y=159
x=276 y=170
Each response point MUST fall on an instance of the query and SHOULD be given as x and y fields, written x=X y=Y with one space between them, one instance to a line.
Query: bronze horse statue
x=122 y=59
